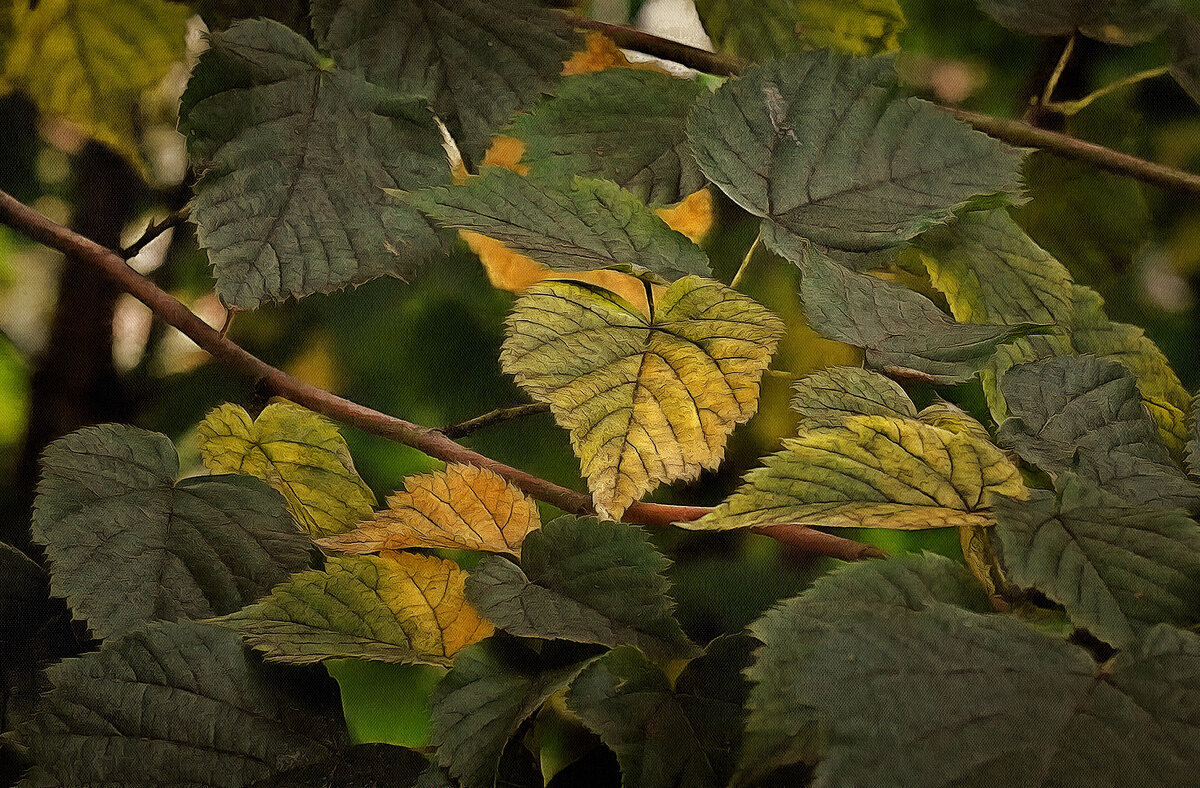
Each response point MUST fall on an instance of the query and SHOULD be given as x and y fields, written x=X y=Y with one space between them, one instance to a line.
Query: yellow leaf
x=297 y=452
x=463 y=507
x=692 y=216
x=506 y=152
x=599 y=54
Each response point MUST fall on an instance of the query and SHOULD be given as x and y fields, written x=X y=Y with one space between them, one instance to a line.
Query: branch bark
x=424 y=439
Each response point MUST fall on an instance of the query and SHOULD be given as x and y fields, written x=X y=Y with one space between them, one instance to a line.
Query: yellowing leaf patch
x=463 y=507
x=646 y=400
x=297 y=452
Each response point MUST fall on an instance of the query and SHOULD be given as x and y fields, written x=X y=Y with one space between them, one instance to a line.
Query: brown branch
x=424 y=439
x=154 y=230
x=494 y=417
x=1014 y=132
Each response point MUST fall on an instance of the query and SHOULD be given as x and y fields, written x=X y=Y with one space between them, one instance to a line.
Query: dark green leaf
x=22 y=587
x=477 y=60
x=622 y=125
x=364 y=766
x=1193 y=445
x=579 y=226
x=128 y=544
x=1116 y=567
x=1124 y=22
x=586 y=581
x=826 y=397
x=823 y=146
x=1185 y=65
x=294 y=157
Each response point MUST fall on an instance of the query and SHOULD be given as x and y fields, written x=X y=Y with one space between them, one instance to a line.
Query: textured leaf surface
x=363 y=766
x=646 y=401
x=664 y=736
x=173 y=704
x=872 y=471
x=394 y=607
x=299 y=453
x=826 y=397
x=582 y=225
x=90 y=60
x=1193 y=445
x=965 y=699
x=463 y=507
x=294 y=158
x=1185 y=54
x=1084 y=414
x=1125 y=22
x=621 y=125
x=478 y=61
x=1116 y=567
x=128 y=544
x=899 y=330
x=772 y=28
x=822 y=146
x=585 y=581
x=493 y=688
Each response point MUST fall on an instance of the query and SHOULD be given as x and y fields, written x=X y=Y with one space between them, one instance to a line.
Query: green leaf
x=1125 y=22
x=646 y=401
x=902 y=332
x=22 y=587
x=585 y=581
x=299 y=453
x=664 y=736
x=622 y=125
x=364 y=766
x=1117 y=567
x=1193 y=444
x=1084 y=414
x=567 y=226
x=1185 y=57
x=394 y=607
x=294 y=159
x=772 y=28
x=128 y=544
x=872 y=472
x=90 y=60
x=491 y=690
x=823 y=147
x=478 y=61
x=826 y=397
x=174 y=704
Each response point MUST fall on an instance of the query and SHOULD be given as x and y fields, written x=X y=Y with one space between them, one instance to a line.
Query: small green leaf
x=1125 y=22
x=823 y=147
x=585 y=581
x=1116 y=567
x=826 y=397
x=294 y=159
x=128 y=544
x=586 y=225
x=772 y=28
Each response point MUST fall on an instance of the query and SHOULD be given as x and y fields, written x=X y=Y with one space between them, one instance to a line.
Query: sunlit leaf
x=294 y=156
x=394 y=607
x=462 y=507
x=772 y=28
x=585 y=581
x=948 y=416
x=129 y=544
x=646 y=401
x=297 y=452
x=824 y=147
x=872 y=471
x=1124 y=22
x=826 y=397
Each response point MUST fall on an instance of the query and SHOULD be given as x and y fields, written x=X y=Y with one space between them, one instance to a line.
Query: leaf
x=491 y=690
x=90 y=61
x=772 y=28
x=362 y=766
x=1116 y=566
x=1085 y=415
x=584 y=581
x=872 y=472
x=22 y=587
x=478 y=61
x=948 y=416
x=294 y=156
x=128 y=544
x=174 y=704
x=901 y=331
x=300 y=454
x=664 y=736
x=394 y=607
x=917 y=691
x=646 y=401
x=1193 y=445
x=582 y=225
x=826 y=397
x=463 y=507
x=622 y=125
x=1185 y=54
x=823 y=148
x=1125 y=22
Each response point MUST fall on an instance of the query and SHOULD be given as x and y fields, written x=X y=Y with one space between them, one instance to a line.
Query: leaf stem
x=1072 y=107
x=1059 y=68
x=154 y=230
x=494 y=417
x=737 y=278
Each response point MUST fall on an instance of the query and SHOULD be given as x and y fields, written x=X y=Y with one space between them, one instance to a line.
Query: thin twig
x=1059 y=68
x=424 y=439
x=741 y=272
x=1072 y=107
x=154 y=230
x=494 y=417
